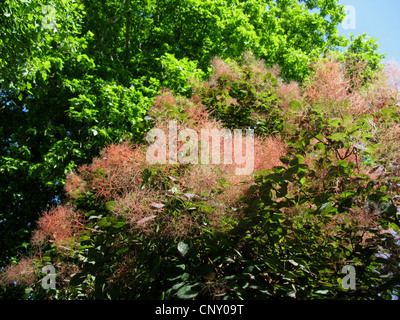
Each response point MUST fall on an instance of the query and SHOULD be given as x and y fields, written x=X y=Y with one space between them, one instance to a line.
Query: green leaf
x=395 y=227
x=343 y=163
x=120 y=251
x=183 y=248
x=323 y=207
x=103 y=222
x=84 y=238
x=345 y=205
x=47 y=65
x=335 y=122
x=119 y=224
x=174 y=272
x=178 y=285
x=319 y=146
x=299 y=159
x=91 y=212
x=295 y=105
x=323 y=292
x=187 y=292
x=338 y=136
x=389 y=211
x=285 y=160
x=110 y=205
x=77 y=279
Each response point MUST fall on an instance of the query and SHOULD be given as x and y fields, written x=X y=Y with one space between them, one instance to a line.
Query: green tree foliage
x=322 y=196
x=130 y=36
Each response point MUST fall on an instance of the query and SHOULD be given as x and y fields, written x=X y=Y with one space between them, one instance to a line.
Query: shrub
x=324 y=194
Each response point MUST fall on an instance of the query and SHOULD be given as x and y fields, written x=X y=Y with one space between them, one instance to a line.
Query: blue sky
x=379 y=20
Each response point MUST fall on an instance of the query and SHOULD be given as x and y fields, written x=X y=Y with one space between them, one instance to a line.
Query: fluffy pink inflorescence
x=116 y=170
x=288 y=92
x=24 y=273
x=328 y=82
x=393 y=72
x=60 y=225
